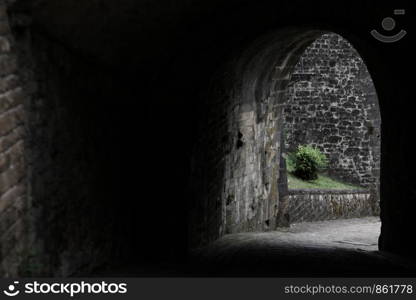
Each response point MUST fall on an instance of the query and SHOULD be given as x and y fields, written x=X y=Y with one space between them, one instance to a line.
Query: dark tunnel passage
x=137 y=119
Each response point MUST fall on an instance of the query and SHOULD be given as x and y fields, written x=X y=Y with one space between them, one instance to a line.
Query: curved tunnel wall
x=72 y=152
x=243 y=146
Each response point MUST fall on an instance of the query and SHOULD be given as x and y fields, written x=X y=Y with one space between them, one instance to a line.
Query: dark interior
x=116 y=97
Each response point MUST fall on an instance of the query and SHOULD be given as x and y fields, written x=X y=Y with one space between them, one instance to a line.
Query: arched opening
x=331 y=106
x=250 y=192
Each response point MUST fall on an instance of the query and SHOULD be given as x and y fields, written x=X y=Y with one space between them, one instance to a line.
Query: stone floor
x=339 y=248
x=328 y=248
x=360 y=234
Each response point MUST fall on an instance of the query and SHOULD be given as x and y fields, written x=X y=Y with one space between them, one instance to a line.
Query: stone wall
x=82 y=154
x=69 y=145
x=14 y=206
x=236 y=179
x=70 y=155
x=233 y=188
x=332 y=104
x=319 y=205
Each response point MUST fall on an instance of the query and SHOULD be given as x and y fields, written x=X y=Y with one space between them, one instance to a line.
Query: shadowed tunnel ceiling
x=103 y=29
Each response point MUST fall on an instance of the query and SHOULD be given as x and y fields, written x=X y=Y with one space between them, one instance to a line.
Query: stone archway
x=246 y=123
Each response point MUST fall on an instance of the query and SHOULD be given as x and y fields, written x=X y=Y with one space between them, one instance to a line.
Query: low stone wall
x=318 y=205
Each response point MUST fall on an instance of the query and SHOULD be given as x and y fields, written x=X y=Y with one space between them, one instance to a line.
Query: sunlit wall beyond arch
x=332 y=104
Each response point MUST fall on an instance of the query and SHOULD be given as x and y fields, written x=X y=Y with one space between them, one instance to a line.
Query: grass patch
x=323 y=182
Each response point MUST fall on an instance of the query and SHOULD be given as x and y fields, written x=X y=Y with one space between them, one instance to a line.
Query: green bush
x=306 y=161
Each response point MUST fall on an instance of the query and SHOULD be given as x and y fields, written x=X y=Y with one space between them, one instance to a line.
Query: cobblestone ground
x=340 y=248
x=360 y=234
x=327 y=248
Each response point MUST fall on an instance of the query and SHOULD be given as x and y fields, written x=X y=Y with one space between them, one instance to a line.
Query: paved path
x=360 y=233
x=340 y=248
x=327 y=248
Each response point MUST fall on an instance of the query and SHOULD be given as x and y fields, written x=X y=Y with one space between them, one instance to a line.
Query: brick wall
x=69 y=153
x=14 y=206
x=71 y=156
x=319 y=205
